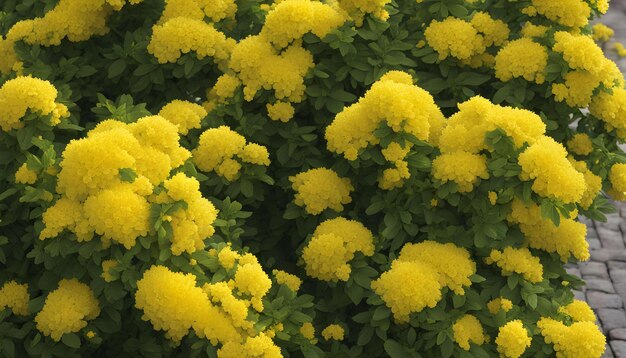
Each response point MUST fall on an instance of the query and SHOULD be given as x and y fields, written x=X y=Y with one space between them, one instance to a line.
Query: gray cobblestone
x=618 y=276
x=598 y=299
x=619 y=348
x=611 y=318
x=618 y=333
x=594 y=269
x=601 y=285
x=616 y=265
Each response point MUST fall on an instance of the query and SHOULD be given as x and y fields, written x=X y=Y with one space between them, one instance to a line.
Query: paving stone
x=616 y=265
x=618 y=333
x=608 y=352
x=619 y=348
x=595 y=269
x=597 y=299
x=594 y=244
x=611 y=318
x=620 y=288
x=617 y=276
x=601 y=255
x=573 y=270
x=598 y=284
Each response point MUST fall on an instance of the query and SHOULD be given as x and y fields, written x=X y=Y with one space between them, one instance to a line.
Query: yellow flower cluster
x=581 y=339
x=567 y=239
x=408 y=287
x=219 y=148
x=23 y=94
x=289 y=20
x=14 y=296
x=107 y=265
x=280 y=111
x=185 y=115
x=546 y=163
x=67 y=309
x=260 y=66
x=454 y=37
x=602 y=33
x=531 y=30
x=468 y=329
x=182 y=35
x=173 y=303
x=223 y=89
x=611 y=108
x=333 y=245
x=580 y=52
x=577 y=89
x=620 y=49
x=357 y=9
x=396 y=102
x=96 y=198
x=418 y=274
x=520 y=261
x=512 y=339
x=252 y=281
x=592 y=182
x=320 y=189
x=522 y=58
x=287 y=279
x=454 y=272
x=216 y=10
x=498 y=304
x=333 y=331
x=466 y=129
x=495 y=32
x=25 y=175
x=463 y=168
x=307 y=330
x=579 y=311
x=617 y=177
x=570 y=13
x=76 y=20
x=192 y=225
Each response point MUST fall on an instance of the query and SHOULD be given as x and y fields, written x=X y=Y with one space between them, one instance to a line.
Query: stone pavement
x=605 y=277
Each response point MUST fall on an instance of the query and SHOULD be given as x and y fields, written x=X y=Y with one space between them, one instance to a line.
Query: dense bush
x=349 y=178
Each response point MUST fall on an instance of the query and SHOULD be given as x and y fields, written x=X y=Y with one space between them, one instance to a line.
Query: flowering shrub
x=303 y=178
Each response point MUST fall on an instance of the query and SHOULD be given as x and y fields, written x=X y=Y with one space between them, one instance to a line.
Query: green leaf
x=127 y=175
x=116 y=68
x=395 y=349
x=71 y=340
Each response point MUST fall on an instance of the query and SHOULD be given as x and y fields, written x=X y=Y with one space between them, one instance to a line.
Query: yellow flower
x=580 y=144
x=570 y=13
x=21 y=94
x=495 y=32
x=307 y=330
x=493 y=197
x=289 y=20
x=512 y=339
x=579 y=311
x=581 y=339
x=320 y=189
x=602 y=33
x=463 y=168
x=333 y=245
x=90 y=334
x=25 y=175
x=454 y=37
x=185 y=115
x=287 y=279
x=522 y=58
x=67 y=309
x=14 y=296
x=333 y=331
x=182 y=35
x=468 y=329
x=280 y=111
x=498 y=304
x=546 y=163
x=579 y=51
x=408 y=287
x=520 y=261
x=252 y=280
x=227 y=257
x=568 y=239
x=617 y=177
x=106 y=266
x=454 y=272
